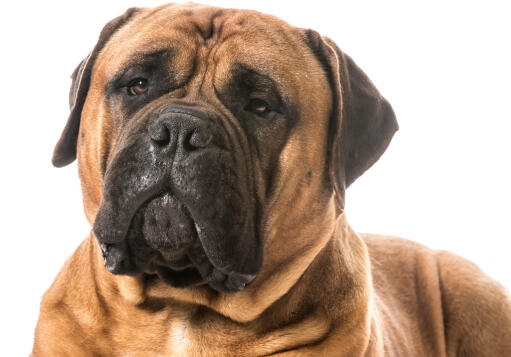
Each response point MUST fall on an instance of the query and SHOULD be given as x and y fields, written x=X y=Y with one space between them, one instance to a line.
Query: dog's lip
x=188 y=277
x=180 y=264
x=188 y=266
x=106 y=234
x=199 y=270
x=128 y=185
x=182 y=272
x=191 y=277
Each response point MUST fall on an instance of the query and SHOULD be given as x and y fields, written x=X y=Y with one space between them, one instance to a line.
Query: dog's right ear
x=65 y=150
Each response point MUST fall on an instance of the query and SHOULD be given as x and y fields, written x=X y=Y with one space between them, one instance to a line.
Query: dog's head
x=202 y=134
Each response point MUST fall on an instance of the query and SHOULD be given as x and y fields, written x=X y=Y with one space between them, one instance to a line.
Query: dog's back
x=436 y=301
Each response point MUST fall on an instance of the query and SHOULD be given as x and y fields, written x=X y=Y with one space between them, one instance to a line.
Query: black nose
x=181 y=129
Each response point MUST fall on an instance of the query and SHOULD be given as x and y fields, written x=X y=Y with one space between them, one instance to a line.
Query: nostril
x=199 y=139
x=160 y=134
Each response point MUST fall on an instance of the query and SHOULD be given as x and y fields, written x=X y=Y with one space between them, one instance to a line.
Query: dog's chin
x=191 y=277
x=162 y=240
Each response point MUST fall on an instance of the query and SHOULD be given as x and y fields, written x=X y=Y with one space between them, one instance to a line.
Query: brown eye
x=137 y=86
x=258 y=106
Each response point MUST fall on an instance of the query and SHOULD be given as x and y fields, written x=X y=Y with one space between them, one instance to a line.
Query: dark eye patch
x=258 y=86
x=144 y=78
x=250 y=94
x=264 y=114
x=140 y=64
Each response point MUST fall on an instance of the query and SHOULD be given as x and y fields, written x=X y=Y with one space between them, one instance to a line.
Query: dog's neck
x=283 y=294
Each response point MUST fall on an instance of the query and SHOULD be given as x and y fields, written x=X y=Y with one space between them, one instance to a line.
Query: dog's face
x=206 y=133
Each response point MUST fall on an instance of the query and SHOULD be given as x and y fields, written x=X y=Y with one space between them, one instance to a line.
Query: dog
x=214 y=150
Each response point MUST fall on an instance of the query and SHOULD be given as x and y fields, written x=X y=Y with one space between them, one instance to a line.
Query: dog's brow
x=260 y=79
x=252 y=71
x=142 y=58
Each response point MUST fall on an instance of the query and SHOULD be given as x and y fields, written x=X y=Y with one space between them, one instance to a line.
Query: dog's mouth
x=163 y=239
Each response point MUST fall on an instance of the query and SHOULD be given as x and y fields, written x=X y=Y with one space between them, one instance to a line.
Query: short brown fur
x=323 y=289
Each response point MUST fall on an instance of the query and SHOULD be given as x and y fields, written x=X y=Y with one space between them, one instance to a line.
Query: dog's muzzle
x=176 y=203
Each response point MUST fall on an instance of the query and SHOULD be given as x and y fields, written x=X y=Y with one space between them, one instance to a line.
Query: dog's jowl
x=214 y=149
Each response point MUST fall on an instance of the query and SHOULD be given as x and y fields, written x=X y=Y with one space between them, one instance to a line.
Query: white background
x=444 y=181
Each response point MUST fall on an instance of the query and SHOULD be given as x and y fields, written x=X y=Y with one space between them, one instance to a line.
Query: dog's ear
x=65 y=150
x=362 y=122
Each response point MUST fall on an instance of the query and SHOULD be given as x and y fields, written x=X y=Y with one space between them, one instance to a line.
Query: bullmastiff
x=214 y=149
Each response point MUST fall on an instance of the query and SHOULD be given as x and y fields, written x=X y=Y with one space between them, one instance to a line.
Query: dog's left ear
x=65 y=150
x=362 y=122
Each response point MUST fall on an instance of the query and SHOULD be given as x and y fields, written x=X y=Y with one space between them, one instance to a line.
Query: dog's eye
x=137 y=86
x=258 y=106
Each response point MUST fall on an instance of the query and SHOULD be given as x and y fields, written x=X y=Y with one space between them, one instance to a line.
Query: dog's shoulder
x=441 y=288
x=68 y=309
x=398 y=263
x=477 y=309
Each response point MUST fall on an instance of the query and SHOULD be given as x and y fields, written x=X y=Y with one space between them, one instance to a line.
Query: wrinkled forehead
x=224 y=37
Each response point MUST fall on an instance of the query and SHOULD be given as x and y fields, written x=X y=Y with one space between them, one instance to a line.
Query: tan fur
x=323 y=289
